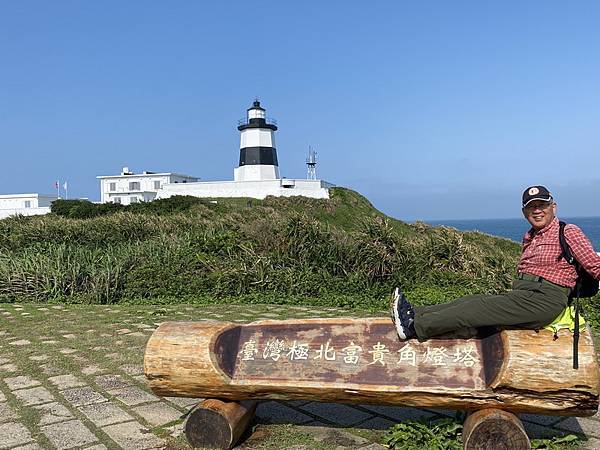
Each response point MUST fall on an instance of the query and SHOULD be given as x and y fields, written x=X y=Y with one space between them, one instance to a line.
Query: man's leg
x=535 y=306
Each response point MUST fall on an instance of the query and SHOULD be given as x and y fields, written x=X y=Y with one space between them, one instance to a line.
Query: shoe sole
x=395 y=317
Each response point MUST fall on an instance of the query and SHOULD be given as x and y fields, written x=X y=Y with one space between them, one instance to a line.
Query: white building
x=132 y=187
x=257 y=175
x=25 y=204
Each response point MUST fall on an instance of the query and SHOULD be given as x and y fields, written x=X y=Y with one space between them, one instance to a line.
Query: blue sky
x=433 y=110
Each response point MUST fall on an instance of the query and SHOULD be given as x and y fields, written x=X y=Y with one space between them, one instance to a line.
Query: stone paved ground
x=71 y=377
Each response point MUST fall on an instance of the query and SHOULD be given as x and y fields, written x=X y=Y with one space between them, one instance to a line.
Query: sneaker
x=403 y=315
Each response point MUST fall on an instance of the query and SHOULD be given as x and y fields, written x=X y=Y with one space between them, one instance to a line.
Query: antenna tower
x=311 y=164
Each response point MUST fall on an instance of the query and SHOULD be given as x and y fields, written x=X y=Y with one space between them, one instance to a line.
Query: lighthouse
x=258 y=156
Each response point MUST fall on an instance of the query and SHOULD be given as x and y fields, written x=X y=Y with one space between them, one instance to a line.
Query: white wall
x=254 y=137
x=251 y=189
x=256 y=172
x=4 y=213
x=146 y=192
x=25 y=204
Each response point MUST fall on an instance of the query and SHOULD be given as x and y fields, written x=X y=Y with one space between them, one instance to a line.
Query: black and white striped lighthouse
x=258 y=156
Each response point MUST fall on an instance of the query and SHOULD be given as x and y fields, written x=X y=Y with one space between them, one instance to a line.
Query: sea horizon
x=515 y=228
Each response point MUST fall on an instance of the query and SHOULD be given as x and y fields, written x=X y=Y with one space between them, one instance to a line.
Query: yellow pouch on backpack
x=566 y=319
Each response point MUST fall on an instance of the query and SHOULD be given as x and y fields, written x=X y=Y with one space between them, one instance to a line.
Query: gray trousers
x=530 y=304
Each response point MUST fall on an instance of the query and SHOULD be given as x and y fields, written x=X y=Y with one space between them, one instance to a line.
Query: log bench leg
x=218 y=423
x=494 y=429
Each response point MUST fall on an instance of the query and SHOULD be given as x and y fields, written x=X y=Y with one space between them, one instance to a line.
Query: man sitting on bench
x=539 y=293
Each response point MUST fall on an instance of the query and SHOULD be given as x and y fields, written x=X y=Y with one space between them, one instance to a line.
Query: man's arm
x=582 y=250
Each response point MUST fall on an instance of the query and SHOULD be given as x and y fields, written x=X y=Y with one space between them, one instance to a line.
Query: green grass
x=338 y=252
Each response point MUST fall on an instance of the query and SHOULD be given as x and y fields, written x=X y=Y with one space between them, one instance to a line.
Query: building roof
x=145 y=175
x=34 y=195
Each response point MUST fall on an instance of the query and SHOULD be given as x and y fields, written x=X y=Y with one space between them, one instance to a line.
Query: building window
x=133 y=200
x=27 y=203
x=117 y=200
x=134 y=185
x=112 y=187
x=157 y=185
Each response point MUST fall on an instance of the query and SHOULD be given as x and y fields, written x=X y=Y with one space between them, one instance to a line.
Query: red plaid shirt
x=541 y=254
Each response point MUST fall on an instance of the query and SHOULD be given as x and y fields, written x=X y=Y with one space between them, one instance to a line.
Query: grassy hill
x=337 y=252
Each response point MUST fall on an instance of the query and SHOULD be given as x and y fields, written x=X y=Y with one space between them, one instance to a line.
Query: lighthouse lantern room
x=258 y=156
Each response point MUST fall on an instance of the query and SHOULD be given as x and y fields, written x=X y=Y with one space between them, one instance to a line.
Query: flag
x=65 y=186
x=56 y=184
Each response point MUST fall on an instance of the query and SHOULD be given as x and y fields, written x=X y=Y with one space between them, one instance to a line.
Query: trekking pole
x=576 y=336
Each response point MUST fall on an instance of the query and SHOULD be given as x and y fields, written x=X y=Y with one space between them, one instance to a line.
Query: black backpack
x=585 y=286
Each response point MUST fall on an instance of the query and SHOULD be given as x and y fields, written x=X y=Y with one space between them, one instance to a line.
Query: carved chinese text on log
x=349 y=354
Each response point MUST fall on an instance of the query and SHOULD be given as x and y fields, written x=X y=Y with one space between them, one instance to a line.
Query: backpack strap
x=566 y=250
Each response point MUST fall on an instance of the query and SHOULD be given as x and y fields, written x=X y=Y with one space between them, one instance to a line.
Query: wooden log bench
x=494 y=374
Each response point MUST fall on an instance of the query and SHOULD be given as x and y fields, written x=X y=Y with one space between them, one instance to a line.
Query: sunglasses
x=540 y=205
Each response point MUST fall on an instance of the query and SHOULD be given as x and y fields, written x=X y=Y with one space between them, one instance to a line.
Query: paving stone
x=69 y=434
x=133 y=369
x=83 y=396
x=21 y=382
x=97 y=447
x=296 y=403
x=336 y=413
x=276 y=412
x=184 y=402
x=69 y=336
x=49 y=341
x=132 y=436
x=34 y=396
x=2 y=397
x=105 y=414
x=137 y=334
x=592 y=444
x=140 y=379
x=8 y=368
x=53 y=413
x=176 y=430
x=535 y=431
x=132 y=396
x=399 y=414
x=4 y=361
x=539 y=419
x=123 y=331
x=6 y=413
x=32 y=446
x=66 y=381
x=51 y=370
x=158 y=413
x=443 y=412
x=112 y=383
x=39 y=357
x=580 y=425
x=67 y=351
x=334 y=436
x=13 y=433
x=20 y=342
x=92 y=370
x=377 y=423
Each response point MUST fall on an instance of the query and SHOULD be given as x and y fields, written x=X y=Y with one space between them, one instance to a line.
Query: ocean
x=514 y=229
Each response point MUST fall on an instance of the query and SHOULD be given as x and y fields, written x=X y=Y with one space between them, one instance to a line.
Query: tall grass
x=277 y=250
